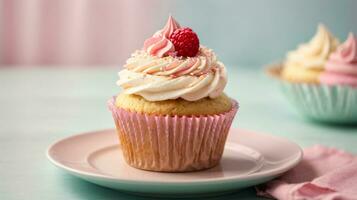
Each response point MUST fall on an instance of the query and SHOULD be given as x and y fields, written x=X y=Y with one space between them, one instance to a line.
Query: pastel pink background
x=73 y=32
x=105 y=32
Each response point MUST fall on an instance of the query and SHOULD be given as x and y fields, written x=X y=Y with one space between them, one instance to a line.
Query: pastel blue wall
x=254 y=33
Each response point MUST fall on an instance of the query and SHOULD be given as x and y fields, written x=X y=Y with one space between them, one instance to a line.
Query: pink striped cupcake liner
x=172 y=143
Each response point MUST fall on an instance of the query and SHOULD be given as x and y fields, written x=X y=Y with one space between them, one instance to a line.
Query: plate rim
x=250 y=177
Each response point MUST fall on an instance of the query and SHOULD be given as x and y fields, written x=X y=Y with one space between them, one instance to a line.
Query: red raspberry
x=185 y=41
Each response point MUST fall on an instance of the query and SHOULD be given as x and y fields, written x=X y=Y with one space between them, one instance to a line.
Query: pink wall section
x=105 y=32
x=73 y=32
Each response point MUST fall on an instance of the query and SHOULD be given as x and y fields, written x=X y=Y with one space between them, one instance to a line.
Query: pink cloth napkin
x=324 y=173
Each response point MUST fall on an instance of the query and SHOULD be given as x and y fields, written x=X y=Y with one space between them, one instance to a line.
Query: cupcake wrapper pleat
x=172 y=143
x=336 y=104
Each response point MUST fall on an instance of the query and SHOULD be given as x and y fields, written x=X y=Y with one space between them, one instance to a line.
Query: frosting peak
x=159 y=45
x=314 y=54
x=341 y=68
x=344 y=60
x=347 y=52
x=170 y=27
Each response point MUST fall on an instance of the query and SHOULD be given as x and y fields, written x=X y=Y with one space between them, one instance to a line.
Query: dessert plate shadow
x=249 y=159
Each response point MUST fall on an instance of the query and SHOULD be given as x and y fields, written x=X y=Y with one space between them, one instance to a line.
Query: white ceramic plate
x=249 y=159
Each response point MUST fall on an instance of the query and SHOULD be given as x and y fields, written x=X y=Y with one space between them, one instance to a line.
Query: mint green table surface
x=41 y=105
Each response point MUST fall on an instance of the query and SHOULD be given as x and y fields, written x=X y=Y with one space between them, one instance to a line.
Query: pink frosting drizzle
x=341 y=68
x=205 y=62
x=159 y=45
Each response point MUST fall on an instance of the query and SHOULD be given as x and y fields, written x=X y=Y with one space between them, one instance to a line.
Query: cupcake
x=320 y=78
x=172 y=114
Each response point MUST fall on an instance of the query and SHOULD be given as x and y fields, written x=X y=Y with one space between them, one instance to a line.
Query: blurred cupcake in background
x=320 y=78
x=305 y=64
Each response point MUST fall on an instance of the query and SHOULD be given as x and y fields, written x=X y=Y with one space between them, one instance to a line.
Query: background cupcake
x=172 y=114
x=319 y=78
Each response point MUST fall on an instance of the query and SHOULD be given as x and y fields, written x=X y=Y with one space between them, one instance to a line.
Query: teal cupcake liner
x=335 y=104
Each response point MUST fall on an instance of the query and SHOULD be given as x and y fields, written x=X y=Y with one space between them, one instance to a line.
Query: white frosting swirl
x=158 y=79
x=314 y=54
